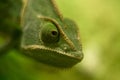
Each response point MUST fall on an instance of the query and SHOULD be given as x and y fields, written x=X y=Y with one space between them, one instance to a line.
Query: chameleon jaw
x=51 y=56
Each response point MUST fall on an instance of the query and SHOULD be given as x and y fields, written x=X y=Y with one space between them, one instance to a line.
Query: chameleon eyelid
x=69 y=42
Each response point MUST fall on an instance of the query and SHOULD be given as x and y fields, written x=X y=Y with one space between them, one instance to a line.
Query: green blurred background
x=99 y=24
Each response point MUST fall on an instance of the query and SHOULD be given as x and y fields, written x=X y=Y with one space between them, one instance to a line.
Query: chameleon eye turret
x=49 y=38
x=49 y=34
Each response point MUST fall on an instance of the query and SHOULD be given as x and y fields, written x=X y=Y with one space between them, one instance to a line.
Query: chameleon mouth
x=51 y=56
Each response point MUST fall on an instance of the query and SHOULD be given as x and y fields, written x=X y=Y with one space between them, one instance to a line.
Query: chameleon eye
x=49 y=33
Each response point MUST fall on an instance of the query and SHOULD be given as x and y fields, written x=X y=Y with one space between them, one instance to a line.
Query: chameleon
x=47 y=36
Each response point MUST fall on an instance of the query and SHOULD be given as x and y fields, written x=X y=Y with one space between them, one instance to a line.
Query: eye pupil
x=54 y=33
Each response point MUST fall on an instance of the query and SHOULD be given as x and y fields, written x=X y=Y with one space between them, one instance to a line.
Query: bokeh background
x=99 y=24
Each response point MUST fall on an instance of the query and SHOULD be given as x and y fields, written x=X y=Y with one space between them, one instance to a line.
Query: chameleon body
x=48 y=37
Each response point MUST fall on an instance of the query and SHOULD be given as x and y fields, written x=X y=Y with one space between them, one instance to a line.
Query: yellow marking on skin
x=56 y=9
x=40 y=47
x=23 y=10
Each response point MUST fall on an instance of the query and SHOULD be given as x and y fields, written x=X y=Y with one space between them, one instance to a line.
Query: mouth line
x=40 y=47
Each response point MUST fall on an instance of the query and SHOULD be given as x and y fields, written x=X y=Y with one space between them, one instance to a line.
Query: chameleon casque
x=47 y=36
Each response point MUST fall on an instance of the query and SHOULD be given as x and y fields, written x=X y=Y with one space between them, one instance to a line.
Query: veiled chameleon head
x=51 y=44
x=48 y=39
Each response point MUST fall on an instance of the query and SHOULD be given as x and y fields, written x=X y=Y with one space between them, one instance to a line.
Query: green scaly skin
x=65 y=51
